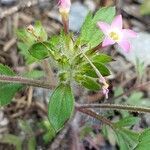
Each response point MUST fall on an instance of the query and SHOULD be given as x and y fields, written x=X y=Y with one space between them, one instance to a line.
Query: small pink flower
x=64 y=6
x=115 y=34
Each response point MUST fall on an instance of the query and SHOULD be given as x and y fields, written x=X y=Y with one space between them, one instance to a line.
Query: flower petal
x=125 y=45
x=127 y=33
x=107 y=41
x=117 y=22
x=104 y=27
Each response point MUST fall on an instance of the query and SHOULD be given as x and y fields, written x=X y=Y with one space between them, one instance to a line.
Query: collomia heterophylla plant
x=77 y=59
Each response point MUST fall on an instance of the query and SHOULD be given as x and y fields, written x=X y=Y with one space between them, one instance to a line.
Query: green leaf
x=127 y=139
x=31 y=141
x=35 y=74
x=5 y=70
x=12 y=139
x=89 y=71
x=145 y=7
x=24 y=51
x=61 y=106
x=40 y=31
x=87 y=82
x=49 y=132
x=40 y=50
x=90 y=33
x=7 y=90
x=144 y=140
x=127 y=121
x=137 y=98
x=102 y=58
x=24 y=36
x=27 y=40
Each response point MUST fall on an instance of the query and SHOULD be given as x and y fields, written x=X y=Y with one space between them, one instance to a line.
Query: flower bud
x=64 y=6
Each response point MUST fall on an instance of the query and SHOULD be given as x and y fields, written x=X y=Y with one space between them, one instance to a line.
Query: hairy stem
x=116 y=107
x=49 y=72
x=91 y=113
x=25 y=81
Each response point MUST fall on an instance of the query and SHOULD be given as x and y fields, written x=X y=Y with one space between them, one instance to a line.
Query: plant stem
x=115 y=107
x=25 y=81
x=93 y=66
x=65 y=24
x=91 y=113
x=96 y=48
x=49 y=72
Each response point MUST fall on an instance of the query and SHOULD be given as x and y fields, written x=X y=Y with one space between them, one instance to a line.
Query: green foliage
x=27 y=40
x=103 y=58
x=34 y=74
x=12 y=139
x=40 y=50
x=140 y=68
x=88 y=70
x=5 y=70
x=90 y=34
x=5 y=96
x=126 y=139
x=24 y=51
x=145 y=7
x=87 y=82
x=30 y=138
x=136 y=98
x=49 y=132
x=61 y=106
x=127 y=121
x=144 y=140
x=40 y=31
x=85 y=131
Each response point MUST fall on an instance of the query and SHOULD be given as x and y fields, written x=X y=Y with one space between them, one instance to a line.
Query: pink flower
x=64 y=6
x=115 y=34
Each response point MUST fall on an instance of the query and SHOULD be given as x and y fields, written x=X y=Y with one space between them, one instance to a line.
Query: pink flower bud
x=64 y=6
